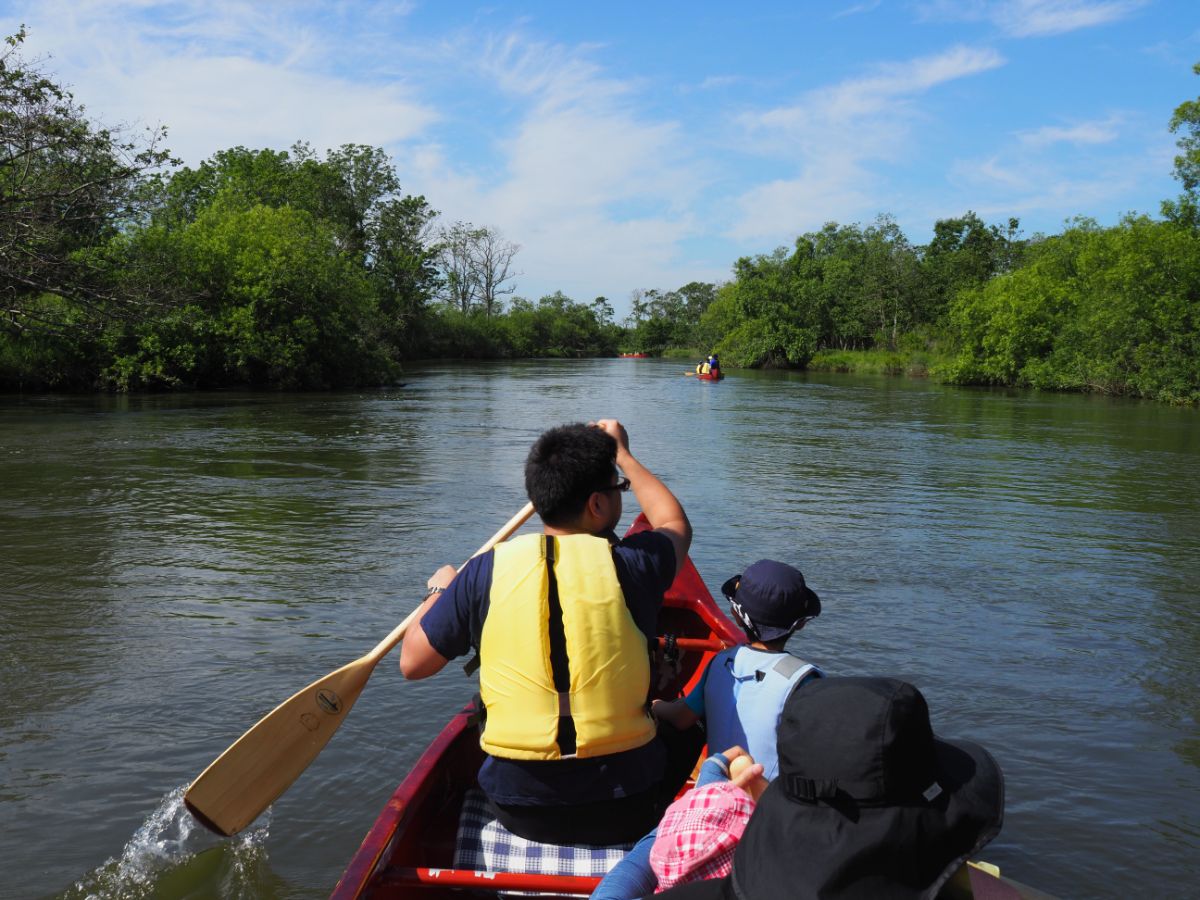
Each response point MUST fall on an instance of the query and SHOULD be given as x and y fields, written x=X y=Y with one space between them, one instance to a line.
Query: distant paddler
x=709 y=368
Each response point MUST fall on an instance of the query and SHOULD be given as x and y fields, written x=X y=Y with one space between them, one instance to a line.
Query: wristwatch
x=432 y=591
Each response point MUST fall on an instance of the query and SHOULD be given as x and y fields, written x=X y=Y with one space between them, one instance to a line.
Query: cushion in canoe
x=483 y=844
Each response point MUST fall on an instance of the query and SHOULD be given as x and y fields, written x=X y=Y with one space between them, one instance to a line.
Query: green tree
x=965 y=253
x=1107 y=310
x=1186 y=123
x=277 y=303
x=66 y=188
x=403 y=266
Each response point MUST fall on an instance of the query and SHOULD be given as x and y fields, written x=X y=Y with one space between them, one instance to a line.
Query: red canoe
x=709 y=376
x=634 y=355
x=409 y=851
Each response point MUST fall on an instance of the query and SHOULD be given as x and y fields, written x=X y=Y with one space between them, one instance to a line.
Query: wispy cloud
x=713 y=82
x=219 y=75
x=834 y=134
x=1039 y=18
x=1098 y=132
x=1037 y=177
x=578 y=175
x=858 y=9
x=1032 y=18
x=878 y=93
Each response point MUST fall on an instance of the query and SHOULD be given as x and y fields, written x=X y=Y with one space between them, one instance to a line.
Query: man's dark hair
x=566 y=465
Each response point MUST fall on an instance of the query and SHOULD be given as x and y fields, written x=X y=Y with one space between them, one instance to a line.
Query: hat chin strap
x=744 y=620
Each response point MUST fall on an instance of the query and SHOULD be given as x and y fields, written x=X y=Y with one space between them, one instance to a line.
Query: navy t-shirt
x=645 y=564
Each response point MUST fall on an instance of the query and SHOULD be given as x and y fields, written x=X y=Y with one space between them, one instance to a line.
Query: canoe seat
x=483 y=844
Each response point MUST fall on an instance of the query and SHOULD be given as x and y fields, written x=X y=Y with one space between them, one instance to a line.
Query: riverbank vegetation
x=121 y=270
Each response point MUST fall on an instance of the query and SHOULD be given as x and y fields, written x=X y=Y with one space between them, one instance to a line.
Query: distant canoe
x=634 y=355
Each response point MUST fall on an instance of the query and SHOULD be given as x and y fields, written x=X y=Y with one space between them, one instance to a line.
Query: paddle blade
x=248 y=777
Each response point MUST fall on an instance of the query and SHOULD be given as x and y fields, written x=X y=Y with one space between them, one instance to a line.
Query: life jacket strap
x=560 y=667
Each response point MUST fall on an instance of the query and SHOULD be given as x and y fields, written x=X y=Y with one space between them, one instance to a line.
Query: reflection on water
x=173 y=567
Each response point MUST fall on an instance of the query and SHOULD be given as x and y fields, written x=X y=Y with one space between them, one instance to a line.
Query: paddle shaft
x=260 y=765
x=397 y=635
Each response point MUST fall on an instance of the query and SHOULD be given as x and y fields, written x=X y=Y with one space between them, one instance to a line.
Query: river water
x=171 y=567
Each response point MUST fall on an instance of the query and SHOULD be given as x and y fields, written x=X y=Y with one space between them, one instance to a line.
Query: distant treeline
x=120 y=270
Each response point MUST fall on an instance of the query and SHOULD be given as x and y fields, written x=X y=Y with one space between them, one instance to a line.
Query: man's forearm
x=662 y=509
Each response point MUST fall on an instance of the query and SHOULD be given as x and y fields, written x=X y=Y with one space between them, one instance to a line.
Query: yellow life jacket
x=566 y=586
x=702 y=368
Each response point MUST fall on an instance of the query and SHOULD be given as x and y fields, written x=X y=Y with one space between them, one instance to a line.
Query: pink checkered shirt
x=698 y=834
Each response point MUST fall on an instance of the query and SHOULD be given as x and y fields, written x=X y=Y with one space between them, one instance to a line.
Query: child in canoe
x=742 y=692
x=740 y=697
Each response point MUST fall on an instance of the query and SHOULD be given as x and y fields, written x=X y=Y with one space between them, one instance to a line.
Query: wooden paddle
x=262 y=764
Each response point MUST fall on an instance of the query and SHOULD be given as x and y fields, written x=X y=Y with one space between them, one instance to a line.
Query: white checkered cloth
x=483 y=844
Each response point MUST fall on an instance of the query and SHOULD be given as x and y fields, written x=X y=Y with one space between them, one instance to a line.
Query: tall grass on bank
x=913 y=363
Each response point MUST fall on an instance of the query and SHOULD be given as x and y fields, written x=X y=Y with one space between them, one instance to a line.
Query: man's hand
x=442 y=577
x=663 y=511
x=618 y=432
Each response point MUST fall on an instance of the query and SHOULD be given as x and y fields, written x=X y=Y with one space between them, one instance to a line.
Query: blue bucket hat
x=771 y=599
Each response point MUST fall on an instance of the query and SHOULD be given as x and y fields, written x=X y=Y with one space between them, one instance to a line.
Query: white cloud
x=579 y=179
x=1033 y=179
x=1099 y=132
x=1040 y=18
x=1032 y=18
x=219 y=75
x=832 y=135
x=858 y=9
x=787 y=207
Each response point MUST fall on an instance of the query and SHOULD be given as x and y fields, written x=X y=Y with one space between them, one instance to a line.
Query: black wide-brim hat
x=868 y=803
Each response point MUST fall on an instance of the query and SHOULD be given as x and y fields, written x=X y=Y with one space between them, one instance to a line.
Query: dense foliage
x=67 y=188
x=290 y=269
x=1113 y=310
x=851 y=288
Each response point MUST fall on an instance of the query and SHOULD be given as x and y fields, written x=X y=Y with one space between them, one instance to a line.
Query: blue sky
x=631 y=146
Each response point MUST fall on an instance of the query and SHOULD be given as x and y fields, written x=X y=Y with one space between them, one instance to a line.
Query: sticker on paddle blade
x=329 y=701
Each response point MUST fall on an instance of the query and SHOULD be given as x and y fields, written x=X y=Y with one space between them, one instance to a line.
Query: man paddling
x=561 y=621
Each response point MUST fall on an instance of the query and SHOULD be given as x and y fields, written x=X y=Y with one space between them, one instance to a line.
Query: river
x=171 y=567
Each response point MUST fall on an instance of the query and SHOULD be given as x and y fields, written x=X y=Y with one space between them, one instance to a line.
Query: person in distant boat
x=702 y=368
x=561 y=621
x=714 y=364
x=742 y=692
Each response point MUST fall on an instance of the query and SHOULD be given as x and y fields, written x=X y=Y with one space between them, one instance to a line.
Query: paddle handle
x=397 y=635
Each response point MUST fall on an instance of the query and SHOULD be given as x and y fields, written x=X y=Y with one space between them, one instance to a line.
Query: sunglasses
x=622 y=486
